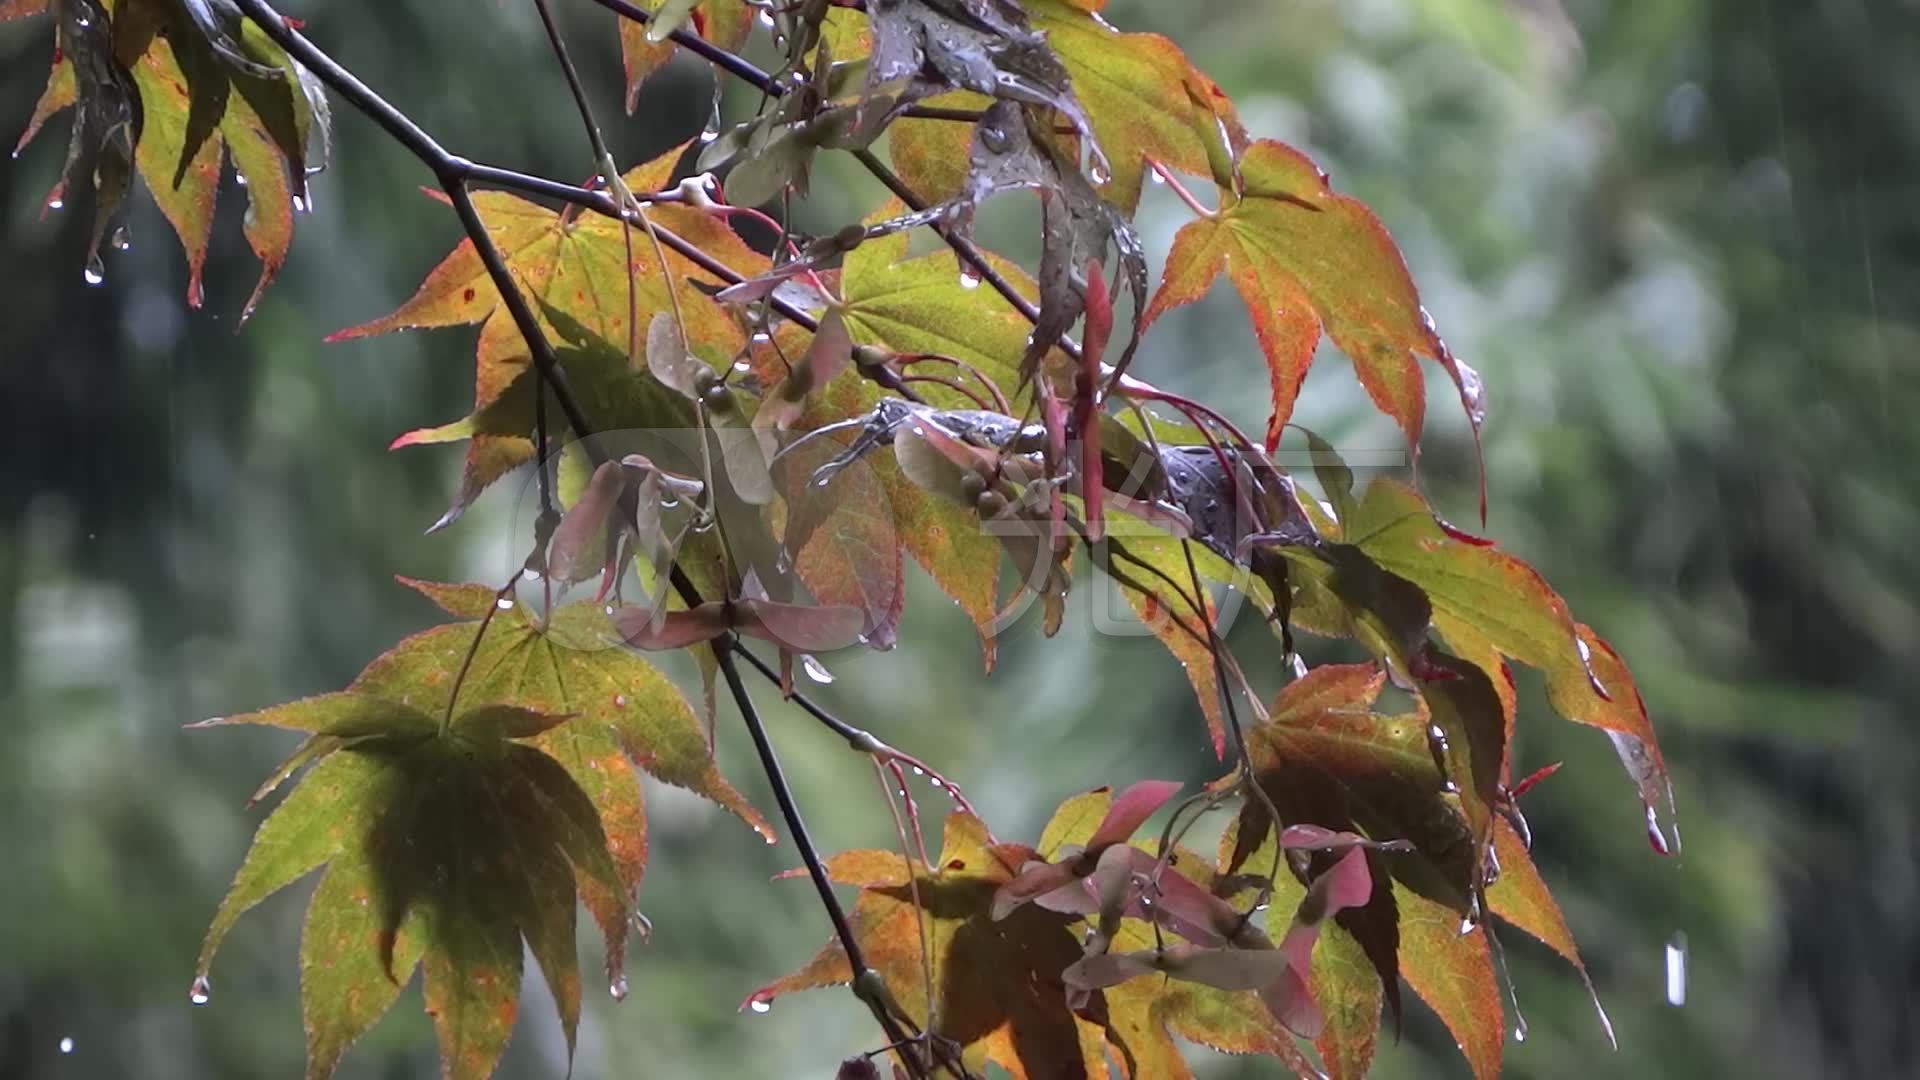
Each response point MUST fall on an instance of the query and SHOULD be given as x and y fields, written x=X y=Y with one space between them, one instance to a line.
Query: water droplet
x=619 y=701
x=505 y=603
x=969 y=280
x=761 y=337
x=760 y=1005
x=1097 y=173
x=56 y=203
x=918 y=771
x=617 y=989
x=1655 y=838
x=66 y=1044
x=1156 y=176
x=301 y=204
x=709 y=135
x=936 y=782
x=1466 y=927
x=765 y=19
x=816 y=670
x=742 y=366
x=96 y=271
x=1520 y=1033
x=121 y=241
x=1677 y=969
x=240 y=178
x=201 y=992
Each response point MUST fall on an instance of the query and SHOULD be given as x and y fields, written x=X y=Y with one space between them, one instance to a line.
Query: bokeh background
x=1681 y=240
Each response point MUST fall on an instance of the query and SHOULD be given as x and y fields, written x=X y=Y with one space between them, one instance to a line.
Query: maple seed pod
x=990 y=504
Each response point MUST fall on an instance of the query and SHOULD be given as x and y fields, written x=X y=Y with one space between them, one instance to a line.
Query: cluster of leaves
x=773 y=435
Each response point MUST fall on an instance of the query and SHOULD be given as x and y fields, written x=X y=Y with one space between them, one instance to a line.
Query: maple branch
x=867 y=985
x=454 y=172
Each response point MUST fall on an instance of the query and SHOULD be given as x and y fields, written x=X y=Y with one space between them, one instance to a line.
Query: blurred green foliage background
x=1681 y=240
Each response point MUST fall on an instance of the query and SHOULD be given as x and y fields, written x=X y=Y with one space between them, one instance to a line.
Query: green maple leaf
x=444 y=850
x=373 y=744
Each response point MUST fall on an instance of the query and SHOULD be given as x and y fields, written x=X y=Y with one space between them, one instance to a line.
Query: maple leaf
x=178 y=89
x=1491 y=606
x=444 y=849
x=607 y=282
x=1327 y=759
x=1305 y=259
x=1143 y=99
x=997 y=991
x=644 y=50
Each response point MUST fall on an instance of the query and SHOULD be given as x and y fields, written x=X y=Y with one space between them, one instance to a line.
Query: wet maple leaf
x=997 y=991
x=583 y=265
x=1491 y=607
x=723 y=22
x=1142 y=97
x=444 y=850
x=1305 y=259
x=190 y=117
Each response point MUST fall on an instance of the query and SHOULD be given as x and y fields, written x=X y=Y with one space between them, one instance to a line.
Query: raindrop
x=765 y=19
x=529 y=574
x=240 y=178
x=760 y=1005
x=761 y=337
x=96 y=272
x=918 y=771
x=56 y=203
x=902 y=792
x=1156 y=176
x=742 y=366
x=969 y=280
x=1677 y=969
x=201 y=992
x=1097 y=173
x=936 y=782
x=709 y=135
x=301 y=204
x=1466 y=927
x=66 y=1044
x=1656 y=838
x=505 y=603
x=619 y=701
x=617 y=989
x=816 y=670
x=1520 y=1033
x=121 y=241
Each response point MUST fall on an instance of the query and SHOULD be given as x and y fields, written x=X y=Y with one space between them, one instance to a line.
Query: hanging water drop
x=617 y=989
x=1097 y=172
x=505 y=603
x=1520 y=1032
x=300 y=204
x=56 y=203
x=1156 y=176
x=918 y=771
x=815 y=670
x=709 y=135
x=201 y=992
x=121 y=240
x=760 y=1005
x=936 y=782
x=240 y=178
x=765 y=19
x=96 y=271
x=66 y=1044
x=969 y=279
x=619 y=701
